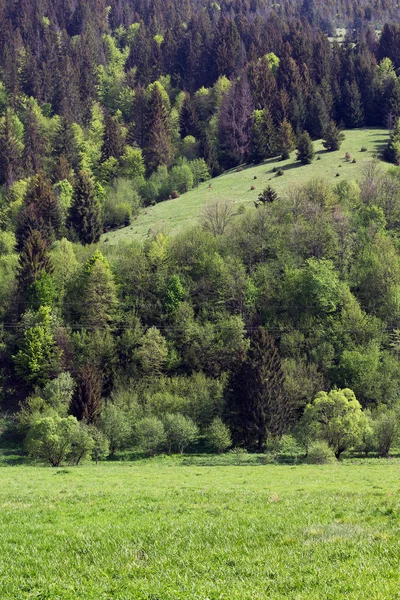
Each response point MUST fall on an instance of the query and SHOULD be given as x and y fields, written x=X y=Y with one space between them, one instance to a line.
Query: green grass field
x=172 y=529
x=174 y=215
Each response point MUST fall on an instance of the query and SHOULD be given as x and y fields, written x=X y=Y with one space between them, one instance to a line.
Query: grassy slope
x=157 y=530
x=173 y=215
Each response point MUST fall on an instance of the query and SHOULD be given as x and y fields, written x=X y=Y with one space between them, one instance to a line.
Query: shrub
x=82 y=444
x=279 y=173
x=101 y=446
x=199 y=170
x=239 y=169
x=150 y=434
x=121 y=202
x=51 y=438
x=174 y=195
x=181 y=179
x=180 y=431
x=218 y=436
x=354 y=161
x=252 y=188
x=347 y=157
x=364 y=149
x=320 y=453
x=386 y=428
x=114 y=425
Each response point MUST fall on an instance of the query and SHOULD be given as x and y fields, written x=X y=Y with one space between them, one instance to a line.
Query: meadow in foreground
x=168 y=529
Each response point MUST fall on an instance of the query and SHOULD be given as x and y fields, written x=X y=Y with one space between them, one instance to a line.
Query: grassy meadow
x=182 y=529
x=172 y=216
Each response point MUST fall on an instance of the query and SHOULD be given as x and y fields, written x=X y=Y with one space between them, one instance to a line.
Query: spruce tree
x=10 y=150
x=34 y=146
x=258 y=405
x=114 y=139
x=158 y=147
x=352 y=105
x=188 y=119
x=41 y=211
x=85 y=212
x=333 y=137
x=286 y=141
x=87 y=402
x=267 y=196
x=305 y=149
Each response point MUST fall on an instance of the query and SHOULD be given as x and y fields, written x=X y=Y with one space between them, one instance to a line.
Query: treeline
x=246 y=324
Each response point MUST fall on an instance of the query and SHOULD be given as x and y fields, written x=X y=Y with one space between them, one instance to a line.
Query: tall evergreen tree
x=188 y=119
x=236 y=122
x=333 y=137
x=287 y=140
x=11 y=148
x=87 y=402
x=158 y=147
x=114 y=139
x=352 y=105
x=41 y=211
x=85 y=212
x=305 y=149
x=34 y=144
x=259 y=406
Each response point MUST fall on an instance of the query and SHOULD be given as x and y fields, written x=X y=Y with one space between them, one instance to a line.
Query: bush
x=121 y=202
x=199 y=170
x=279 y=173
x=320 y=453
x=114 y=425
x=82 y=444
x=174 y=195
x=180 y=431
x=181 y=179
x=364 y=149
x=218 y=436
x=101 y=446
x=51 y=438
x=386 y=428
x=150 y=434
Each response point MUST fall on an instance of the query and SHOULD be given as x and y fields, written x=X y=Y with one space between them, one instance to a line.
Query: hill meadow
x=199 y=299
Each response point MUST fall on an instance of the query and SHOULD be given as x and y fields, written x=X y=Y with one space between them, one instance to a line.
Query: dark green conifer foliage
x=286 y=141
x=188 y=119
x=158 y=147
x=34 y=263
x=41 y=211
x=114 y=139
x=10 y=152
x=85 y=213
x=352 y=105
x=305 y=149
x=34 y=146
x=259 y=406
x=87 y=402
x=268 y=196
x=333 y=137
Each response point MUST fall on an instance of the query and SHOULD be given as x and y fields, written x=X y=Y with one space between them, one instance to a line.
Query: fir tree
x=34 y=145
x=268 y=196
x=33 y=261
x=85 y=212
x=188 y=119
x=352 y=105
x=259 y=407
x=10 y=150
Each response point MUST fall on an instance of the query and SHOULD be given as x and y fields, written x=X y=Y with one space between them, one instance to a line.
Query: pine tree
x=263 y=142
x=158 y=147
x=87 y=402
x=66 y=143
x=258 y=404
x=333 y=137
x=305 y=149
x=286 y=141
x=85 y=212
x=268 y=196
x=98 y=298
x=392 y=150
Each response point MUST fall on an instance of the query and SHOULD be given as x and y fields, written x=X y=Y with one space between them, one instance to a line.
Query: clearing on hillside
x=171 y=216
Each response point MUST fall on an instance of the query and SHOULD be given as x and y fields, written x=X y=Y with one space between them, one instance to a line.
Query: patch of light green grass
x=172 y=216
x=158 y=529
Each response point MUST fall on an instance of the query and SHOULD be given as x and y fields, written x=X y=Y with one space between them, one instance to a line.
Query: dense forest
x=108 y=108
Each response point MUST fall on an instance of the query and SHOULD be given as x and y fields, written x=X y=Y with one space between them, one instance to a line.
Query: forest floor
x=188 y=529
x=172 y=216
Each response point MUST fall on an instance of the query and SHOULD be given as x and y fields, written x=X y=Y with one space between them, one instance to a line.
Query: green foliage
x=180 y=432
x=85 y=217
x=217 y=436
x=338 y=419
x=305 y=149
x=115 y=426
x=52 y=438
x=320 y=453
x=386 y=430
x=38 y=357
x=333 y=137
x=100 y=447
x=150 y=434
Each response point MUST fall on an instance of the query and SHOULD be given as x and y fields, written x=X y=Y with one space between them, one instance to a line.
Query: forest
x=283 y=318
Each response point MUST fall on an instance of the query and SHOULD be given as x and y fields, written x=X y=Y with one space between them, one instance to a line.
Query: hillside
x=172 y=216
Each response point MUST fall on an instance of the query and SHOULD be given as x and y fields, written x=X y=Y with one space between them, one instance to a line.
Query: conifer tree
x=34 y=146
x=41 y=211
x=11 y=148
x=259 y=406
x=85 y=213
x=352 y=105
x=158 y=147
x=286 y=141
x=33 y=261
x=305 y=149
x=188 y=119
x=114 y=139
x=333 y=137
x=87 y=402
